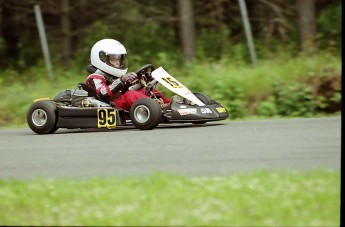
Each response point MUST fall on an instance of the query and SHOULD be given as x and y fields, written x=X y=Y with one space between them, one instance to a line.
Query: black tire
x=203 y=98
x=42 y=117
x=146 y=114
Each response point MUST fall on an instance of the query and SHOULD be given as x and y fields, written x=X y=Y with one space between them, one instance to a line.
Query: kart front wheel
x=42 y=117
x=206 y=100
x=145 y=114
x=203 y=98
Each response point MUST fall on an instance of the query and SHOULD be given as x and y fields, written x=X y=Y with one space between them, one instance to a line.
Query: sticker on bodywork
x=221 y=109
x=36 y=100
x=205 y=110
x=172 y=82
x=106 y=118
x=188 y=111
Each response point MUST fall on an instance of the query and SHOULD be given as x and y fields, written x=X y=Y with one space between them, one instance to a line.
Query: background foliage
x=151 y=32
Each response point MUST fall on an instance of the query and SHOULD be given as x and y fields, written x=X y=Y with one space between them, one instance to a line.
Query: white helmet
x=109 y=55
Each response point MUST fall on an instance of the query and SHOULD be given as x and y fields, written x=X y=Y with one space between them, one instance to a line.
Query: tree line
x=180 y=30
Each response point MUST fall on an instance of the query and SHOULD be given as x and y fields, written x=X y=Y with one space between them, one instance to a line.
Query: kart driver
x=111 y=77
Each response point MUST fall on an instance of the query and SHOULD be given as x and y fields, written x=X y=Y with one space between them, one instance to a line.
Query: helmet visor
x=118 y=61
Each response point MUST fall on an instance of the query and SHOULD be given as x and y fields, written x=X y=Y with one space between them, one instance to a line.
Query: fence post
x=44 y=43
x=248 y=31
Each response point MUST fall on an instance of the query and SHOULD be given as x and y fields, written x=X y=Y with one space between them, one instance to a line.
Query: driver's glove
x=129 y=77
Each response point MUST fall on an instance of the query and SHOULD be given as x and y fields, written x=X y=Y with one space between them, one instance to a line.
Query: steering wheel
x=144 y=75
x=145 y=69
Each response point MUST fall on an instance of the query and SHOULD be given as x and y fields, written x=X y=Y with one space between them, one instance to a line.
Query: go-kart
x=81 y=108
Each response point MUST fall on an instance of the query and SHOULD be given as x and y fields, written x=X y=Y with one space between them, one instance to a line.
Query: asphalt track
x=213 y=149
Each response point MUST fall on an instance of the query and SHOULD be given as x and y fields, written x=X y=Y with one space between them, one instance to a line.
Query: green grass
x=282 y=198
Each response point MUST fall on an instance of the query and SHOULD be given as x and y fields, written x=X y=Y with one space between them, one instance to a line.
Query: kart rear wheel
x=42 y=117
x=146 y=114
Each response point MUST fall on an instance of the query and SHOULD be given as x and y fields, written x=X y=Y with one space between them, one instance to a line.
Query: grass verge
x=261 y=198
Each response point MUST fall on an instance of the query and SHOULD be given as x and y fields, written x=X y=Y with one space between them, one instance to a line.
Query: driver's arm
x=104 y=91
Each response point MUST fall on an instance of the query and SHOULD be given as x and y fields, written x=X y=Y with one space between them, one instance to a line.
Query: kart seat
x=91 y=69
x=85 y=87
x=90 y=92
